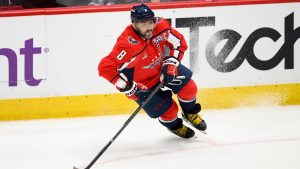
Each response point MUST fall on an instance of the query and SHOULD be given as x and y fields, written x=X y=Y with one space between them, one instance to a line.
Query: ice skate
x=193 y=118
x=182 y=131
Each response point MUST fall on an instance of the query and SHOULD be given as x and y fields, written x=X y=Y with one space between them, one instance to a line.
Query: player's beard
x=148 y=34
x=145 y=35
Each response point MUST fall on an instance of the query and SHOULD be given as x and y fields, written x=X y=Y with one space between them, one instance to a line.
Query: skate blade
x=184 y=119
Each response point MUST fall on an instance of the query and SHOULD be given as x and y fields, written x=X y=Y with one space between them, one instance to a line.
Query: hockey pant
x=163 y=107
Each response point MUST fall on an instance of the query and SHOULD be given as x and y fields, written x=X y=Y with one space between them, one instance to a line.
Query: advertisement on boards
x=229 y=46
x=23 y=55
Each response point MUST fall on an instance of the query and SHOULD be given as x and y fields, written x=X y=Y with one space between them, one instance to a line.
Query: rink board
x=112 y=104
x=60 y=79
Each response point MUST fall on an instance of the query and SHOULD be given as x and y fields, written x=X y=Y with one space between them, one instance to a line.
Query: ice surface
x=252 y=138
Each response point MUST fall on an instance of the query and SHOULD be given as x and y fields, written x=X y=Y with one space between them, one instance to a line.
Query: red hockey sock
x=188 y=92
x=170 y=114
x=187 y=96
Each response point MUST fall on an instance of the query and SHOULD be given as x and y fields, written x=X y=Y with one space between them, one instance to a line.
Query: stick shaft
x=124 y=125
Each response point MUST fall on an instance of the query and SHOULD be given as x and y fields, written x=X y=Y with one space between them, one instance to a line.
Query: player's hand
x=169 y=72
x=132 y=89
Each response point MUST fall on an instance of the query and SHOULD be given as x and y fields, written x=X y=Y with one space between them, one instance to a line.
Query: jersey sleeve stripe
x=174 y=40
x=176 y=53
x=114 y=78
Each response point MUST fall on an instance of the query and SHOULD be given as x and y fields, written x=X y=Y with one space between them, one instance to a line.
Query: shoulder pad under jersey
x=162 y=23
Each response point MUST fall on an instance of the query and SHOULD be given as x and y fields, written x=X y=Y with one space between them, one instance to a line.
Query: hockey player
x=147 y=53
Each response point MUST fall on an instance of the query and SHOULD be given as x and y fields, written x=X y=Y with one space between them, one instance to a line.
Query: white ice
x=250 y=138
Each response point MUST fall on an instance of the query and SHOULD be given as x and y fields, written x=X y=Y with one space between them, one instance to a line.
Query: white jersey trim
x=175 y=41
x=186 y=101
x=166 y=121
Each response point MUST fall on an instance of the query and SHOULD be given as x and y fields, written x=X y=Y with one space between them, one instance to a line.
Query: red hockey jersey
x=145 y=56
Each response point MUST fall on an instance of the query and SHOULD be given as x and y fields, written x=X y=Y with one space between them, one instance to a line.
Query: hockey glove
x=169 y=72
x=132 y=89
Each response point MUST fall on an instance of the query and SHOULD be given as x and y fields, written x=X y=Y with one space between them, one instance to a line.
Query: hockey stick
x=124 y=126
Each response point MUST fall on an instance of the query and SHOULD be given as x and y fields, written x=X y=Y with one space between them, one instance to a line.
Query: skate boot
x=194 y=118
x=182 y=131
